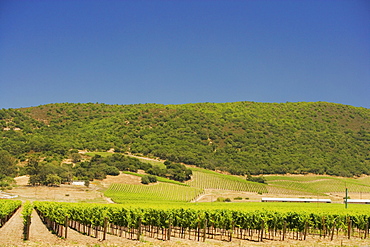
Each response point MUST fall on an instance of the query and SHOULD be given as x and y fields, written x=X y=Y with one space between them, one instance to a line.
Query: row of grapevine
x=277 y=190
x=213 y=180
x=155 y=192
x=7 y=209
x=26 y=215
x=318 y=184
x=198 y=224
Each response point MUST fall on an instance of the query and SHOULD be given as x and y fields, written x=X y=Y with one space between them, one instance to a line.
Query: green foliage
x=145 y=179
x=206 y=179
x=27 y=211
x=7 y=207
x=240 y=138
x=316 y=185
x=53 y=180
x=215 y=214
x=152 y=179
x=124 y=193
x=159 y=179
x=45 y=173
x=7 y=164
x=177 y=172
x=259 y=179
x=76 y=157
x=6 y=182
x=222 y=199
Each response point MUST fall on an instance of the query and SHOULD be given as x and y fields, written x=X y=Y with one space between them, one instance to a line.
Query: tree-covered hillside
x=241 y=137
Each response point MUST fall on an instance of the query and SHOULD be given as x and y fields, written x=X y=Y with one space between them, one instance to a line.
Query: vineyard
x=281 y=185
x=123 y=193
x=313 y=185
x=168 y=215
x=199 y=224
x=7 y=209
x=206 y=179
x=209 y=185
x=319 y=185
x=162 y=212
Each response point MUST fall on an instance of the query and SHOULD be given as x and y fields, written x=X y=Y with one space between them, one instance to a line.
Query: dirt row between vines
x=11 y=235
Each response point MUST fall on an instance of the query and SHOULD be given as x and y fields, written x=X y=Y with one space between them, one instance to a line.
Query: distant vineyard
x=279 y=184
x=339 y=186
x=211 y=180
x=289 y=192
x=122 y=193
x=316 y=185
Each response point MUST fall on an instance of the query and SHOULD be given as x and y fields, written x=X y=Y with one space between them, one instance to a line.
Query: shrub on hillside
x=145 y=179
x=259 y=179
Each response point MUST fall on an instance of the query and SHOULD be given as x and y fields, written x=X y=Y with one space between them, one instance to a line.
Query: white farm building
x=269 y=199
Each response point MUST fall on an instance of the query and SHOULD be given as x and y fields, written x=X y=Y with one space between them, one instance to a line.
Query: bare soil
x=121 y=179
x=64 y=193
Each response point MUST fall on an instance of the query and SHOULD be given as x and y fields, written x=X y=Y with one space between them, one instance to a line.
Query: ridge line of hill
x=239 y=137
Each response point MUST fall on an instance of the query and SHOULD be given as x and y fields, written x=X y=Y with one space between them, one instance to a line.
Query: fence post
x=231 y=231
x=26 y=229
x=139 y=229
x=332 y=230
x=323 y=222
x=65 y=226
x=262 y=228
x=305 y=230
x=349 y=223
x=205 y=230
x=169 y=229
x=105 y=228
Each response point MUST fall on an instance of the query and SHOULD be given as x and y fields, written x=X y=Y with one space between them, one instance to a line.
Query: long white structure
x=269 y=199
x=4 y=195
x=358 y=201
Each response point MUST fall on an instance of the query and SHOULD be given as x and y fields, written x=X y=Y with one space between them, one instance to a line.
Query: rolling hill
x=240 y=138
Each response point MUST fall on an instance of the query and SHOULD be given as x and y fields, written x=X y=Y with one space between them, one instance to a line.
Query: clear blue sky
x=175 y=52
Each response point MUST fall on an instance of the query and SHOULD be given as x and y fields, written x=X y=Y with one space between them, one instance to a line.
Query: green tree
x=34 y=180
x=76 y=157
x=7 y=164
x=33 y=166
x=53 y=180
x=152 y=179
x=145 y=179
